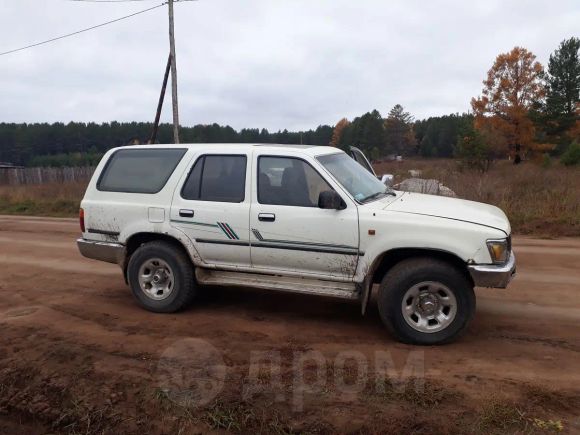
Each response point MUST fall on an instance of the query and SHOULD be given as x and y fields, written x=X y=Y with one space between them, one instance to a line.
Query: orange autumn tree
x=513 y=85
x=338 y=131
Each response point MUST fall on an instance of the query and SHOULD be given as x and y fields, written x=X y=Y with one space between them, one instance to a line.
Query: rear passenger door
x=212 y=206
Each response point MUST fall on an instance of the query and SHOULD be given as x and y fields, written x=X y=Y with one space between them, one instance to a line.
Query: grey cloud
x=265 y=63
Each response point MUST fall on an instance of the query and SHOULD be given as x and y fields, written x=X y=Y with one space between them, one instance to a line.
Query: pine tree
x=399 y=135
x=372 y=131
x=563 y=85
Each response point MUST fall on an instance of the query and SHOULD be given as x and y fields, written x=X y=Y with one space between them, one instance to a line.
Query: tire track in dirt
x=52 y=244
x=542 y=250
x=58 y=265
x=527 y=310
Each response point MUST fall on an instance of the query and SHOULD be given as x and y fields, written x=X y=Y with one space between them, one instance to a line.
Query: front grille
x=509 y=244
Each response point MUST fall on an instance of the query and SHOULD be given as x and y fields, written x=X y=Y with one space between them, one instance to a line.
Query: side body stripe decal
x=293 y=245
x=224 y=226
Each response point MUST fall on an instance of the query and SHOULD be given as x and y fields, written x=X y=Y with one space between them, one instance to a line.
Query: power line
x=82 y=31
x=107 y=1
x=123 y=1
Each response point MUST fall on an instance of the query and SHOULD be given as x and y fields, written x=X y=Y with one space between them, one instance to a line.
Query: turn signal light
x=498 y=250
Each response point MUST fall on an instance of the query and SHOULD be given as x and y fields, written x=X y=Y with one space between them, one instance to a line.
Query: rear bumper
x=492 y=275
x=103 y=251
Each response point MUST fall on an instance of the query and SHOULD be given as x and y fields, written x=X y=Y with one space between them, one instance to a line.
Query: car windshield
x=359 y=182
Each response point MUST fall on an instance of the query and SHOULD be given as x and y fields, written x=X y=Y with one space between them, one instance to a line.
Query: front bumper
x=493 y=275
x=103 y=251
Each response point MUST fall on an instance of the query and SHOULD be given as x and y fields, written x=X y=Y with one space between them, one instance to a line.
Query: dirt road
x=78 y=355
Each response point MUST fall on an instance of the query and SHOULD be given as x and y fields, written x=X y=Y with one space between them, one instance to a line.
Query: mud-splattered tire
x=426 y=301
x=161 y=277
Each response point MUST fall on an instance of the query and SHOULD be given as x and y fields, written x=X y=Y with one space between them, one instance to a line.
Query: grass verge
x=544 y=202
x=58 y=200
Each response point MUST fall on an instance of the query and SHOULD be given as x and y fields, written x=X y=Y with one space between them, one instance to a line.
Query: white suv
x=304 y=219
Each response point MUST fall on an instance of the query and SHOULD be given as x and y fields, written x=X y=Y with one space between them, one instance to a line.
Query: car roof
x=314 y=150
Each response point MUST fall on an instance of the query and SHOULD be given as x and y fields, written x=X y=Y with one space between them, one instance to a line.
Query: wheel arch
x=388 y=259
x=139 y=239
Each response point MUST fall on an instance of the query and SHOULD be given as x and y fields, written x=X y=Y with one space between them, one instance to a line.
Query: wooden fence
x=22 y=176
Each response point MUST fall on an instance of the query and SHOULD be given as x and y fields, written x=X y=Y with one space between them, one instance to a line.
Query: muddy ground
x=77 y=355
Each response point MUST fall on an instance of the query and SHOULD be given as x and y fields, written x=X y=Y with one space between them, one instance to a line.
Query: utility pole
x=173 y=74
x=160 y=104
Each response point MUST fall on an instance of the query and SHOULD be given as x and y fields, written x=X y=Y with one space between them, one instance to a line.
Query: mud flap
x=366 y=296
x=367 y=284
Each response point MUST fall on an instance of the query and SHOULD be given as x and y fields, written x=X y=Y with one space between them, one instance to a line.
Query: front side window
x=289 y=181
x=139 y=170
x=361 y=160
x=219 y=178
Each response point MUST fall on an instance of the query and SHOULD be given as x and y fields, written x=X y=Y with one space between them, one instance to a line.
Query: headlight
x=499 y=250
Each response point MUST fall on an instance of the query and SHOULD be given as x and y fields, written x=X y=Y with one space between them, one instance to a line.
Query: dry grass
x=60 y=200
x=541 y=201
x=426 y=394
x=550 y=399
x=502 y=416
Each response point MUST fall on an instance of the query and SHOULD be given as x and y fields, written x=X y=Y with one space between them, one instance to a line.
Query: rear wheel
x=161 y=277
x=426 y=301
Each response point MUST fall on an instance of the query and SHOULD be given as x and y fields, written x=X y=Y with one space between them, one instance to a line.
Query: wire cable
x=107 y=1
x=82 y=31
x=122 y=1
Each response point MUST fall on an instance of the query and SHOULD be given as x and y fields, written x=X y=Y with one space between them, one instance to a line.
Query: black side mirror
x=330 y=200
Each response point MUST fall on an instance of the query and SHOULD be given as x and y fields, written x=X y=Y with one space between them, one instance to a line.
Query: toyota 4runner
x=303 y=219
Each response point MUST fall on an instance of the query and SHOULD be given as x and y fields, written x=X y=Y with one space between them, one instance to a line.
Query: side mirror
x=387 y=180
x=330 y=200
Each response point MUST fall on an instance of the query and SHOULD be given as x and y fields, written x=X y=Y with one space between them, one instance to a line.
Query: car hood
x=449 y=208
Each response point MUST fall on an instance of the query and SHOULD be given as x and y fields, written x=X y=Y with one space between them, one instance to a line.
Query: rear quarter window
x=139 y=170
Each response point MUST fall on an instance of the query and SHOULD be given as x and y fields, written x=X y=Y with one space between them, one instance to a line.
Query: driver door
x=288 y=231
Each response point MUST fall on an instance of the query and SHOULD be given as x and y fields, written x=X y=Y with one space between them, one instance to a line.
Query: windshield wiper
x=390 y=191
x=377 y=195
x=372 y=196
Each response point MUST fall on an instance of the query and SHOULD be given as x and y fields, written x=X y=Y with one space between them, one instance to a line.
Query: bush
x=546 y=161
x=572 y=155
x=473 y=149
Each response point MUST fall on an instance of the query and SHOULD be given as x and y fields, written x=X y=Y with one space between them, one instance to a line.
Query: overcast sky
x=265 y=63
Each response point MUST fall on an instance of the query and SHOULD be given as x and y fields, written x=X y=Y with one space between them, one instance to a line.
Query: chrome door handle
x=267 y=217
x=186 y=213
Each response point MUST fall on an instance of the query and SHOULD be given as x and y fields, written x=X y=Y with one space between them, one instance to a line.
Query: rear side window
x=139 y=170
x=219 y=178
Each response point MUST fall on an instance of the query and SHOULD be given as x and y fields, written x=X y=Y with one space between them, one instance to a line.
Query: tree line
x=83 y=144
x=79 y=144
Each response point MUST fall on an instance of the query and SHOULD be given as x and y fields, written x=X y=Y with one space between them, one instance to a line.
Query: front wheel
x=426 y=301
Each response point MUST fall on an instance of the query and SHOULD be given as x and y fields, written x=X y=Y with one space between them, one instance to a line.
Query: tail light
x=82 y=219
